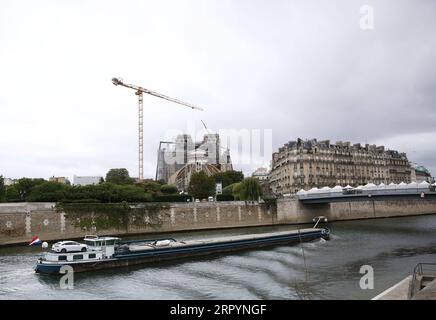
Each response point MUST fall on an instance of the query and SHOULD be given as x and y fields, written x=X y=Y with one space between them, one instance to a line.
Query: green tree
x=201 y=185
x=236 y=190
x=24 y=187
x=250 y=189
x=2 y=189
x=151 y=186
x=169 y=189
x=119 y=176
x=229 y=177
x=49 y=192
x=229 y=189
x=12 y=194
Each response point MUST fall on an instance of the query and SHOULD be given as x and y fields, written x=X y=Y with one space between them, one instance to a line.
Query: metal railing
x=421 y=272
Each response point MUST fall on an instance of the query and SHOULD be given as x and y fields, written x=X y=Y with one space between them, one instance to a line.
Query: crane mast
x=139 y=92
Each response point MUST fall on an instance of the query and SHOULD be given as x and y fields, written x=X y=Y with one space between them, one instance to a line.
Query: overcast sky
x=301 y=68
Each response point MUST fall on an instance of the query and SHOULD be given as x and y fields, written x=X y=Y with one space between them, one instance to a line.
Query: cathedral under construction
x=178 y=160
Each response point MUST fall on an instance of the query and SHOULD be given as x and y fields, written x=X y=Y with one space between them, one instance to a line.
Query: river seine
x=315 y=270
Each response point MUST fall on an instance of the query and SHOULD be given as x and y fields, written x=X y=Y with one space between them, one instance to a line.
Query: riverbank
x=421 y=285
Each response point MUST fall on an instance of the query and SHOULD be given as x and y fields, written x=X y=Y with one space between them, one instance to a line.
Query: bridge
x=329 y=198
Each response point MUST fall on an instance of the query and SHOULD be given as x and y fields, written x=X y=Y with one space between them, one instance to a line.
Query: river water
x=315 y=270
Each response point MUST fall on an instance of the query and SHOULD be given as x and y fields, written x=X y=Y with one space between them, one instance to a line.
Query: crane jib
x=139 y=91
x=118 y=81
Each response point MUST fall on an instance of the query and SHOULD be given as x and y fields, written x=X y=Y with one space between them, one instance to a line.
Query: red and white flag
x=34 y=241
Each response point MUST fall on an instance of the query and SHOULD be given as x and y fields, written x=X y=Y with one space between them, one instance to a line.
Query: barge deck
x=114 y=254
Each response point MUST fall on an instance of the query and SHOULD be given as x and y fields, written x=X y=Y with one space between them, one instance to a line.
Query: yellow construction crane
x=139 y=93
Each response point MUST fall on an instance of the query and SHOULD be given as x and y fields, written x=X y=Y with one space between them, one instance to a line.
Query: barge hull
x=158 y=255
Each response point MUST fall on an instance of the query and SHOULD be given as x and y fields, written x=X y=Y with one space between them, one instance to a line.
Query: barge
x=111 y=252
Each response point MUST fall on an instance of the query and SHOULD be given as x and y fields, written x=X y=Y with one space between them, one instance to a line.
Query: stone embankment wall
x=19 y=222
x=290 y=210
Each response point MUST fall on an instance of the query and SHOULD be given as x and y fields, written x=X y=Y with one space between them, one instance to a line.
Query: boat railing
x=421 y=273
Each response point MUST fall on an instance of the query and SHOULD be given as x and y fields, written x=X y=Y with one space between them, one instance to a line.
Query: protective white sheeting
x=359 y=188
x=348 y=187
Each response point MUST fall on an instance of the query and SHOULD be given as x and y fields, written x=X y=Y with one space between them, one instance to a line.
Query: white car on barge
x=111 y=252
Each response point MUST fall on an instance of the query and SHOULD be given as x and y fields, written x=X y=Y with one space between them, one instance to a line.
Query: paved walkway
x=428 y=293
x=397 y=292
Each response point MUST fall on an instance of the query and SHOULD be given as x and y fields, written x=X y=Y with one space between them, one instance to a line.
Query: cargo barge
x=111 y=252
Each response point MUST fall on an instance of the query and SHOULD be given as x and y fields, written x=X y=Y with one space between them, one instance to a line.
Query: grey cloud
x=302 y=68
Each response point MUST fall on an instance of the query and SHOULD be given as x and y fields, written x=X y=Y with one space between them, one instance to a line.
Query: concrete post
x=218 y=216
x=28 y=223
x=62 y=222
x=195 y=214
x=173 y=216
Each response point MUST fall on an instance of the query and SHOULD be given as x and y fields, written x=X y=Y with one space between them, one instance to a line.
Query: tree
x=24 y=187
x=236 y=190
x=169 y=189
x=49 y=191
x=250 y=189
x=151 y=186
x=2 y=189
x=201 y=185
x=229 y=177
x=12 y=194
x=119 y=176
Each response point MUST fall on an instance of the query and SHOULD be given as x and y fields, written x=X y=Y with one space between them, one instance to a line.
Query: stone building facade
x=305 y=164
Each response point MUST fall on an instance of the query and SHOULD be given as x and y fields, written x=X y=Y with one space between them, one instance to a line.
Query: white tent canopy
x=412 y=185
x=423 y=185
x=313 y=190
x=391 y=186
x=369 y=186
x=336 y=189
x=301 y=192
